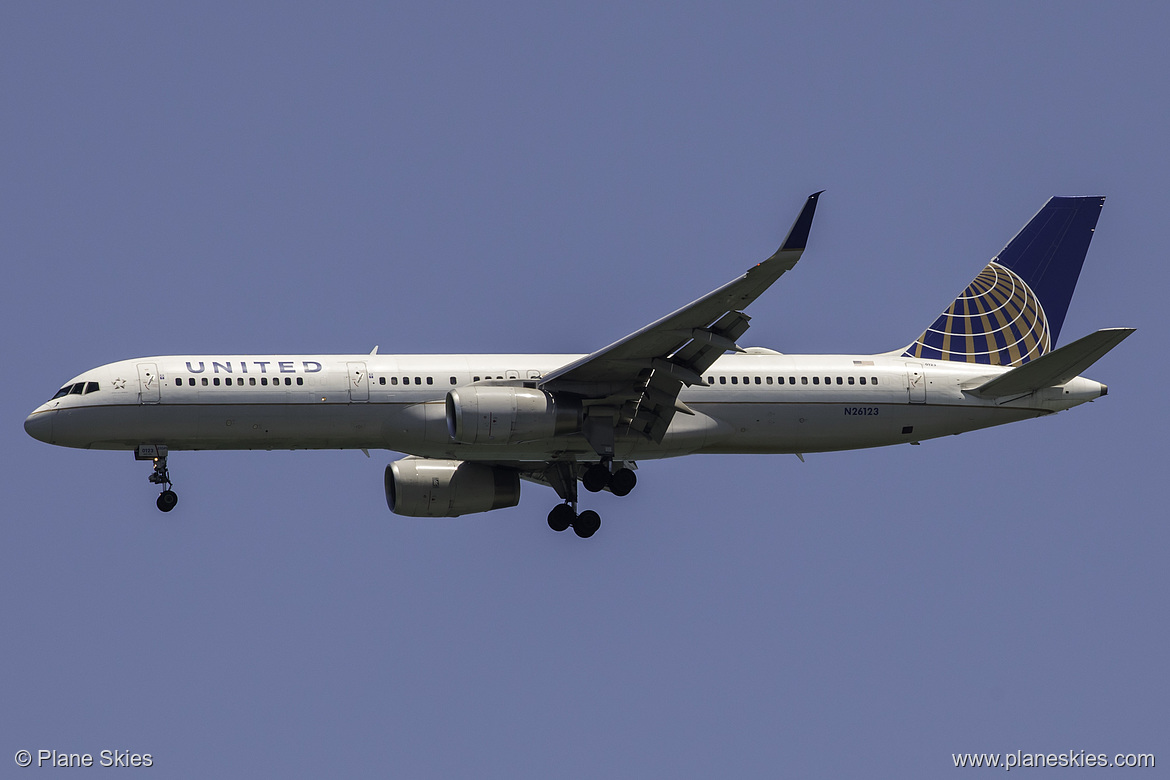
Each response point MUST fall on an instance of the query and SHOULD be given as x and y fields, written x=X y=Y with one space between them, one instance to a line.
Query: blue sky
x=547 y=178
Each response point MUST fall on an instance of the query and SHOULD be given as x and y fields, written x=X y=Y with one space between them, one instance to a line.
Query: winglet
x=797 y=236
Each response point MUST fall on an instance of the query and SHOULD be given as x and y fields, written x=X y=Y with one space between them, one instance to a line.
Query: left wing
x=634 y=383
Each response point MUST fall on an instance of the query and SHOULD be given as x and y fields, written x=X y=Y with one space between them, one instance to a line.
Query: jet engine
x=422 y=487
x=508 y=415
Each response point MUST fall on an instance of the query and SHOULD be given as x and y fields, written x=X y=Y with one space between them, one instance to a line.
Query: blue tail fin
x=1013 y=310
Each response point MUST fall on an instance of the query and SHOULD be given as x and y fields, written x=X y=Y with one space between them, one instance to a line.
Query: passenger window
x=418 y=380
x=381 y=380
x=191 y=381
x=863 y=380
x=722 y=380
x=816 y=380
x=735 y=380
x=791 y=380
x=850 y=380
x=393 y=380
x=769 y=380
x=204 y=380
x=263 y=381
x=828 y=380
x=300 y=380
x=430 y=380
x=839 y=380
x=747 y=380
x=215 y=381
x=804 y=380
x=240 y=381
x=288 y=380
x=252 y=381
x=179 y=382
x=475 y=379
x=758 y=380
x=873 y=380
x=452 y=380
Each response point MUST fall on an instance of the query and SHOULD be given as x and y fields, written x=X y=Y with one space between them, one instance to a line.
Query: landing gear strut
x=562 y=475
x=157 y=453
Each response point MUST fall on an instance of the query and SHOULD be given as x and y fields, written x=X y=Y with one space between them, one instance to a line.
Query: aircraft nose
x=39 y=425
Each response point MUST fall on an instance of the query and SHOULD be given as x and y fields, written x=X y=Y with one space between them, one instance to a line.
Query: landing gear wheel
x=587 y=524
x=622 y=482
x=561 y=517
x=595 y=478
x=167 y=500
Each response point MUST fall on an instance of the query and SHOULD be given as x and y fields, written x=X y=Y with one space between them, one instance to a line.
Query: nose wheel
x=167 y=500
x=157 y=454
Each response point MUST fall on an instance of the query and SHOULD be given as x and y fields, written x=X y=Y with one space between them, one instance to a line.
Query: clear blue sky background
x=445 y=177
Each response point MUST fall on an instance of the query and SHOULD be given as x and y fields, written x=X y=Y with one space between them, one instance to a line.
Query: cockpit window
x=63 y=391
x=91 y=387
x=78 y=389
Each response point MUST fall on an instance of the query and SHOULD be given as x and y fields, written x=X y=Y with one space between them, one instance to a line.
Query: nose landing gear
x=157 y=453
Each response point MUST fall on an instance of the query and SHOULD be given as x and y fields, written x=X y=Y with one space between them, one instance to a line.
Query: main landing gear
x=597 y=477
x=564 y=516
x=157 y=453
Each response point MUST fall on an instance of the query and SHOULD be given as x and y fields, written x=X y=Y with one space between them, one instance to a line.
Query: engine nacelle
x=508 y=415
x=422 y=487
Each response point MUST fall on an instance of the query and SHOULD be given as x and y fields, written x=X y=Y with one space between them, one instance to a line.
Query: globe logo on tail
x=996 y=320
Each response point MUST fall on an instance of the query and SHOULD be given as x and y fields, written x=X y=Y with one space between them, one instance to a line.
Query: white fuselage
x=756 y=403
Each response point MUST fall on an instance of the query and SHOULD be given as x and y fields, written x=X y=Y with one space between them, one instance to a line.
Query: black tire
x=166 y=500
x=622 y=482
x=595 y=478
x=587 y=524
x=561 y=517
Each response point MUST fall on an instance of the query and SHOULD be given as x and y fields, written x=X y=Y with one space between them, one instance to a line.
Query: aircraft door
x=916 y=382
x=148 y=384
x=359 y=382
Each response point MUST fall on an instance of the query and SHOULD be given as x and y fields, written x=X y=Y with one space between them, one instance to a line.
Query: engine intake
x=422 y=487
x=508 y=415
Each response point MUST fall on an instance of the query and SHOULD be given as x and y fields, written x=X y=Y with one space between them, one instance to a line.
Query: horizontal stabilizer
x=1055 y=368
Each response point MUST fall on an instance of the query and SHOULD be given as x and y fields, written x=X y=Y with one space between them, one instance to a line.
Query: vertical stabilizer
x=1013 y=311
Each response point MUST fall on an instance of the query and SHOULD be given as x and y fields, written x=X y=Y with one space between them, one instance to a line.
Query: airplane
x=473 y=426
